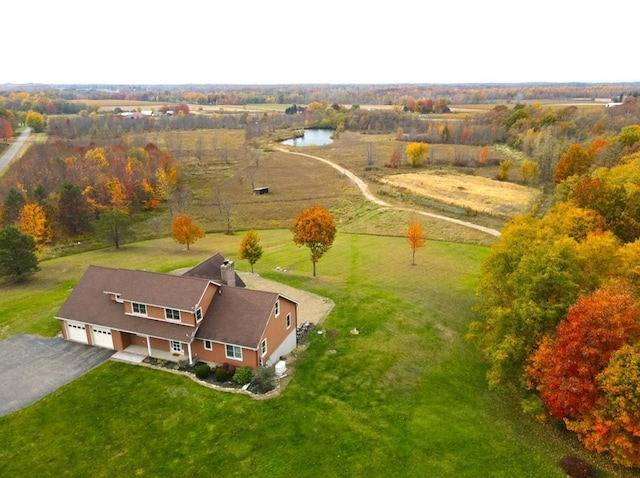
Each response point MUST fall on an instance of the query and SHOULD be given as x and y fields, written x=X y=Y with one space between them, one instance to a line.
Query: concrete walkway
x=31 y=367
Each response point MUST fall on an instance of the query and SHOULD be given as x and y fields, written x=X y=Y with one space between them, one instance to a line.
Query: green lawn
x=404 y=398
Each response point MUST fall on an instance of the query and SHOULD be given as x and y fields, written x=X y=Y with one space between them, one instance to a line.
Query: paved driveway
x=31 y=367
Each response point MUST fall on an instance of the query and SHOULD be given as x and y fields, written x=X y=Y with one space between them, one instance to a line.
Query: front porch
x=142 y=351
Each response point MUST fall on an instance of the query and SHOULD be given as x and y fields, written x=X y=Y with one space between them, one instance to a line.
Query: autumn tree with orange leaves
x=33 y=221
x=185 y=231
x=565 y=367
x=415 y=236
x=315 y=228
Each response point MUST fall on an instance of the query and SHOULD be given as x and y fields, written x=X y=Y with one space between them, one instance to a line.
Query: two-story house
x=206 y=314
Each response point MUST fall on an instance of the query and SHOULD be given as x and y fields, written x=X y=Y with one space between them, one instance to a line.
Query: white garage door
x=102 y=337
x=77 y=332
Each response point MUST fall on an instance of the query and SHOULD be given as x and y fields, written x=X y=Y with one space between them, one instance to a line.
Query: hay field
x=502 y=199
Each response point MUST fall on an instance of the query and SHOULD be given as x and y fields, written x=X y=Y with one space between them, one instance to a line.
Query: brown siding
x=208 y=297
x=63 y=329
x=120 y=340
x=218 y=356
x=276 y=330
x=138 y=340
x=154 y=312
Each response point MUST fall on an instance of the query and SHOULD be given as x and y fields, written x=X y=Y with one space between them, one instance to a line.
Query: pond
x=312 y=137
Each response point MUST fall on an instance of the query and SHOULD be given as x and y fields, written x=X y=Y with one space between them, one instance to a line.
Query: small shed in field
x=262 y=190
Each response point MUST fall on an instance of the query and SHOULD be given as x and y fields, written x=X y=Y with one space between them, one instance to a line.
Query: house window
x=140 y=309
x=288 y=320
x=176 y=347
x=233 y=352
x=199 y=314
x=264 y=347
x=208 y=345
x=277 y=308
x=172 y=314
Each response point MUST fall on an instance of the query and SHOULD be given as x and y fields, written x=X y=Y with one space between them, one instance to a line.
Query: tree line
x=559 y=299
x=58 y=189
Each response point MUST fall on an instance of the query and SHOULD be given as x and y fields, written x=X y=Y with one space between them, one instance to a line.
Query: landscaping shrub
x=203 y=371
x=221 y=374
x=575 y=467
x=264 y=381
x=243 y=375
x=232 y=370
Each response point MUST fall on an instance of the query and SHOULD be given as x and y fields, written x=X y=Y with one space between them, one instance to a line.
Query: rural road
x=10 y=153
x=365 y=191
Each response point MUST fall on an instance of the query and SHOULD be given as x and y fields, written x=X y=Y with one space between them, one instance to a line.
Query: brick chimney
x=228 y=273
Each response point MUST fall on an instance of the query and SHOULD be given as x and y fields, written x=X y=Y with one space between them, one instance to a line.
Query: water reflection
x=312 y=137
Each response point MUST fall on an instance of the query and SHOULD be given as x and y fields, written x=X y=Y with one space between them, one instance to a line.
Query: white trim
x=167 y=314
x=210 y=347
x=102 y=337
x=276 y=307
x=139 y=314
x=263 y=347
x=235 y=347
x=288 y=321
x=174 y=349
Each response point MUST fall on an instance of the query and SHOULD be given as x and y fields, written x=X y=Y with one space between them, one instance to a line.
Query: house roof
x=89 y=303
x=210 y=269
x=238 y=316
x=153 y=288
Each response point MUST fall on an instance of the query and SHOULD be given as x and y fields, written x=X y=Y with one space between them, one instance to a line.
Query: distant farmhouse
x=206 y=314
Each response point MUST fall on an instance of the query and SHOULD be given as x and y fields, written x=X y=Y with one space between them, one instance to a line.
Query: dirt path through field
x=11 y=152
x=367 y=194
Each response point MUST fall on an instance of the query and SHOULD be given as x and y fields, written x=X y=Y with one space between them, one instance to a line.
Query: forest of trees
x=57 y=191
x=560 y=300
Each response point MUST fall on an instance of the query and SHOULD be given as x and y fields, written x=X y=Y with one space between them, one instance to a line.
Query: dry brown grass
x=220 y=178
x=475 y=193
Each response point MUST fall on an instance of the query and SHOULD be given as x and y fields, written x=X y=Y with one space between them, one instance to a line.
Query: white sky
x=327 y=41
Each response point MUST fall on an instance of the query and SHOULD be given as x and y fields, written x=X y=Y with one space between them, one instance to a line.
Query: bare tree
x=370 y=156
x=180 y=200
x=198 y=150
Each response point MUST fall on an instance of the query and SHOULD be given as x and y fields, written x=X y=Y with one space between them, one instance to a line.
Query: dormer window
x=139 y=309
x=199 y=314
x=172 y=314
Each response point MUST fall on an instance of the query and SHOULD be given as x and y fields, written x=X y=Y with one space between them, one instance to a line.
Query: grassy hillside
x=406 y=397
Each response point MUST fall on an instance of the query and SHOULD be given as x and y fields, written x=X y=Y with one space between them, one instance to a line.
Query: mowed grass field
x=406 y=397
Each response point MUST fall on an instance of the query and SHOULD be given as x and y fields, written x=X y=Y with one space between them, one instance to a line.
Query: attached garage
x=77 y=332
x=102 y=337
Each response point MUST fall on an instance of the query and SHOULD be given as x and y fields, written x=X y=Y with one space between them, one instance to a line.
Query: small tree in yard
x=250 y=248
x=185 y=231
x=315 y=228
x=416 y=238
x=114 y=226
x=17 y=254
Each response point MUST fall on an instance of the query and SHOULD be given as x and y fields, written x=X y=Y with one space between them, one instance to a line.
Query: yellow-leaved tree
x=417 y=153
x=33 y=221
x=250 y=249
x=185 y=231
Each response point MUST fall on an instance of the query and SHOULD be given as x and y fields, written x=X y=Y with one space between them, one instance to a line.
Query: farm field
x=497 y=198
x=405 y=397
